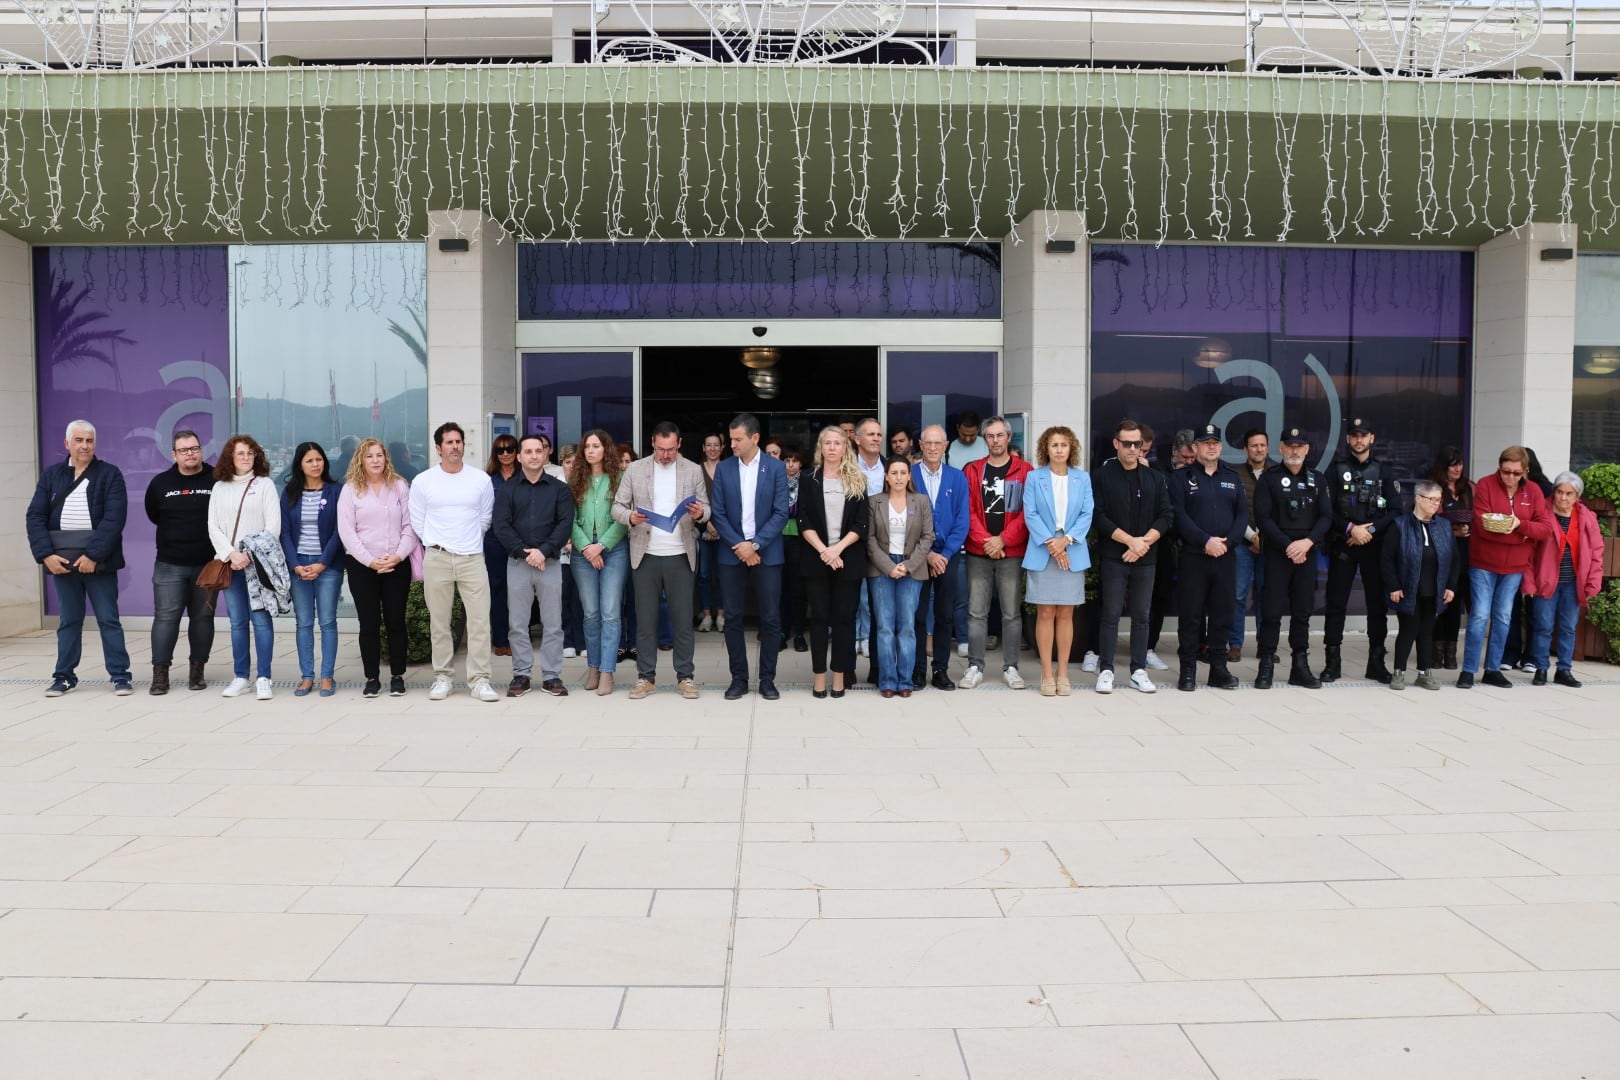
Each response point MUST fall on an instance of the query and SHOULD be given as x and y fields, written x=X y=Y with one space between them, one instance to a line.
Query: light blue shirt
x=873 y=474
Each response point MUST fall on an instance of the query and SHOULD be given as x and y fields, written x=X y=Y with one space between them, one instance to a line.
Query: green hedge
x=418 y=635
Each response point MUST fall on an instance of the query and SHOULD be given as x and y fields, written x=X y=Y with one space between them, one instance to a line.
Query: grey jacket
x=919 y=536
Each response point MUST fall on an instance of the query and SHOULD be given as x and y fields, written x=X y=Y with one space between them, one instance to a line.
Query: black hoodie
x=178 y=506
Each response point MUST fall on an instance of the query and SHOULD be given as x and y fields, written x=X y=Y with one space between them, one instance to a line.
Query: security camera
x=759 y=331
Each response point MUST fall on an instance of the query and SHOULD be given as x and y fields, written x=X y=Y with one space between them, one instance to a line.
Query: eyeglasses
x=1512 y=472
x=188 y=449
x=1428 y=498
x=1130 y=444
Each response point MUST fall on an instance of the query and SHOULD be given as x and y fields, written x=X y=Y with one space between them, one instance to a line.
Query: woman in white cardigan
x=244 y=502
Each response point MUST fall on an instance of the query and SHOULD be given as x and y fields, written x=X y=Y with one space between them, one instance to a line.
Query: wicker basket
x=1497 y=523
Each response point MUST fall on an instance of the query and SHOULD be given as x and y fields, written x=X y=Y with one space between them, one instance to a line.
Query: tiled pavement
x=1346 y=884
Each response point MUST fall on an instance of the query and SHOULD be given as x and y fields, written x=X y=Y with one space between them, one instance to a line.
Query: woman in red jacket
x=1568 y=572
x=1499 y=559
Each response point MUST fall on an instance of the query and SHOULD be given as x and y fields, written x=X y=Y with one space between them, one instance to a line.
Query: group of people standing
x=815 y=540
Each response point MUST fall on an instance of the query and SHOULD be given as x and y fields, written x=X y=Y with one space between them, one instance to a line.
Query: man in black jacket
x=1132 y=515
x=177 y=502
x=75 y=525
x=534 y=515
x=1292 y=511
x=1211 y=514
x=1365 y=501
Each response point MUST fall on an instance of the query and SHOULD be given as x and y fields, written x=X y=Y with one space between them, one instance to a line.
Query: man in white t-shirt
x=451 y=508
x=663 y=562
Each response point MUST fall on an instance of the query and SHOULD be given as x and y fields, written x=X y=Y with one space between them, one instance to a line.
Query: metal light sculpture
x=766 y=32
x=1440 y=39
x=84 y=35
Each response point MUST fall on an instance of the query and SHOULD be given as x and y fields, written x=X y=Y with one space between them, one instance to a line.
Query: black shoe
x=836 y=693
x=1262 y=678
x=554 y=687
x=942 y=681
x=518 y=686
x=372 y=688
x=1222 y=679
x=799 y=644
x=1330 y=666
x=1376 y=671
x=818 y=693
x=1496 y=679
x=768 y=690
x=1465 y=681
x=1189 y=678
x=61 y=685
x=736 y=690
x=1566 y=677
x=871 y=675
x=396 y=686
x=196 y=681
x=1541 y=677
x=919 y=684
x=160 y=680
x=1203 y=654
x=1300 y=674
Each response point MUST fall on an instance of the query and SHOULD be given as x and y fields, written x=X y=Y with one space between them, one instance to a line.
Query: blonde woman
x=374 y=522
x=833 y=521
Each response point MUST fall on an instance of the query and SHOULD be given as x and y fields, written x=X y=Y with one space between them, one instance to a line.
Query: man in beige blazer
x=663 y=562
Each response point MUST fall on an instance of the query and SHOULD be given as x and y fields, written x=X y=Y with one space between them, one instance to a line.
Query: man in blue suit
x=750 y=506
x=946 y=489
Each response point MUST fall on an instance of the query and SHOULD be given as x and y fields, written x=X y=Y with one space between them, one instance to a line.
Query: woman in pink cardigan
x=374 y=522
x=1568 y=572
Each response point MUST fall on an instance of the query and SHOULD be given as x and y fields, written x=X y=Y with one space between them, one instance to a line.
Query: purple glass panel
x=137 y=341
x=1271 y=338
x=936 y=386
x=565 y=394
x=760 y=280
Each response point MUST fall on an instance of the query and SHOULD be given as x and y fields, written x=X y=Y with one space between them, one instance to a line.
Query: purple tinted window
x=759 y=280
x=937 y=386
x=565 y=394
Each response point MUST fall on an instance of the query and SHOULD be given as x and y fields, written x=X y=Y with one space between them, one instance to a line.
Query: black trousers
x=1343 y=563
x=939 y=598
x=1124 y=588
x=1290 y=588
x=380 y=598
x=1164 y=589
x=793 y=594
x=1448 y=624
x=833 y=597
x=1205 y=591
x=735 y=579
x=1417 y=627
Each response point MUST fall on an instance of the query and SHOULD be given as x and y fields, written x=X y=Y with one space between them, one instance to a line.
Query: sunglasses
x=506 y=449
x=1130 y=444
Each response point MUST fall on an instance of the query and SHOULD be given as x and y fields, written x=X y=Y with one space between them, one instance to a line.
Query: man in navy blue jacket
x=76 y=531
x=749 y=505
x=1211 y=516
x=946 y=488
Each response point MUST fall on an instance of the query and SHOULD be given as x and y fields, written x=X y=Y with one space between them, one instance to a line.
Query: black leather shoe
x=736 y=690
x=1465 y=680
x=768 y=690
x=1565 y=677
x=818 y=693
x=1188 y=680
x=799 y=644
x=1300 y=674
x=1222 y=679
x=1330 y=666
x=942 y=681
x=1541 y=677
x=1262 y=678
x=1496 y=679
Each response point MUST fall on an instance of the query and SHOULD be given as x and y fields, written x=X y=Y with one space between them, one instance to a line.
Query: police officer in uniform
x=1365 y=501
x=1292 y=511
x=1211 y=514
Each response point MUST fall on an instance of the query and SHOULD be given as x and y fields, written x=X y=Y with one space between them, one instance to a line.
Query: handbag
x=70 y=543
x=215 y=576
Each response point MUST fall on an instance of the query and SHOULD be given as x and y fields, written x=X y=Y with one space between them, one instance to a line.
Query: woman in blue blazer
x=1057 y=509
x=309 y=539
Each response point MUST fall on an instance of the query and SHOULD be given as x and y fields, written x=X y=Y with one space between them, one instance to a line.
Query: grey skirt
x=1054 y=586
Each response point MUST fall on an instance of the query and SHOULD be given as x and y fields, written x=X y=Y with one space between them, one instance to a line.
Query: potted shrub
x=418 y=635
x=1602 y=493
x=1599 y=628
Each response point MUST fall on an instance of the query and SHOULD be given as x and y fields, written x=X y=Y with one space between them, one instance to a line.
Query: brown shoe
x=605 y=686
x=518 y=686
x=1234 y=654
x=503 y=650
x=196 y=680
x=688 y=689
x=593 y=678
x=160 y=680
x=642 y=688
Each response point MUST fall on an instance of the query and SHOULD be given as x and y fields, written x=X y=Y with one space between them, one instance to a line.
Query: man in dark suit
x=750 y=508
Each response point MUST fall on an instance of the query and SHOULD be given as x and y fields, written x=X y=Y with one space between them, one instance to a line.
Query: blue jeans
x=312 y=600
x=1566 y=608
x=895 y=611
x=601 y=595
x=242 y=617
x=1251 y=576
x=1493 y=598
x=863 y=618
x=102 y=590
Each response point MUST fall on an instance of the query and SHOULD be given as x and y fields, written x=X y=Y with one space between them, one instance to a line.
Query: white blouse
x=1060 y=502
x=897 y=528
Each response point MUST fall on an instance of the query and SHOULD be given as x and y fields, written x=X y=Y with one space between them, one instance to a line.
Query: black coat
x=813 y=518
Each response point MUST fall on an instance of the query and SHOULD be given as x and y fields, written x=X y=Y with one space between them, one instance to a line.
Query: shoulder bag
x=215 y=576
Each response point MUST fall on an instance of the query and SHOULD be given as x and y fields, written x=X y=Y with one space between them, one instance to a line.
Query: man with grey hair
x=946 y=488
x=76 y=531
x=1419 y=571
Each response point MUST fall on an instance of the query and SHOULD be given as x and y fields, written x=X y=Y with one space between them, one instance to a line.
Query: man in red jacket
x=995 y=546
x=1499 y=561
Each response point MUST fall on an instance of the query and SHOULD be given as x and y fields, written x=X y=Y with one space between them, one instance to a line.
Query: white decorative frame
x=83 y=35
x=767 y=32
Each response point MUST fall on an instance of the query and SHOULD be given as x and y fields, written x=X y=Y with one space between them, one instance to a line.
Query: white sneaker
x=481 y=690
x=1140 y=681
x=961 y=650
x=237 y=688
x=1089 y=663
x=261 y=689
x=1011 y=677
x=719 y=622
x=1105 y=682
x=970 y=678
x=440 y=689
x=1155 y=663
x=706 y=624
x=569 y=654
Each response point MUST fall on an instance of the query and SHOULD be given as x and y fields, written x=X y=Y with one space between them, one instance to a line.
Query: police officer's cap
x=1207 y=433
x=1295 y=437
x=1358 y=426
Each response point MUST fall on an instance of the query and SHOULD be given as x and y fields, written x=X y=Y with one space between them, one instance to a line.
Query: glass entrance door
x=568 y=392
x=936 y=386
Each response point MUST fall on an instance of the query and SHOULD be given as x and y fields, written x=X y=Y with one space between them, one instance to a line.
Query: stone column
x=1524 y=347
x=471 y=325
x=1046 y=339
x=20 y=580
